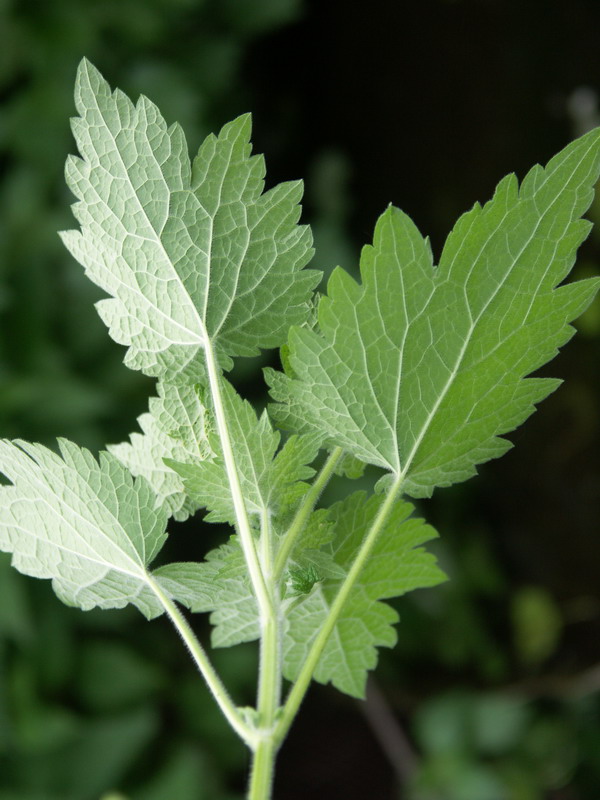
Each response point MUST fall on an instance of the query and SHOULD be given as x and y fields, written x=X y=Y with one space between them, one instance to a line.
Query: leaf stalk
x=305 y=510
x=300 y=687
x=214 y=683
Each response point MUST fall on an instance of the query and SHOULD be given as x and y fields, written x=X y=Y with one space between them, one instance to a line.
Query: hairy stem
x=263 y=765
x=305 y=509
x=243 y=524
x=298 y=690
x=206 y=669
x=269 y=681
x=269 y=685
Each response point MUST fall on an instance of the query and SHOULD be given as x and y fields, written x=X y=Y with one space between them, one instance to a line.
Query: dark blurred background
x=493 y=690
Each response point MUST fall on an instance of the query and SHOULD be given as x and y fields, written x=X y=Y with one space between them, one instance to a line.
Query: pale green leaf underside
x=85 y=524
x=419 y=369
x=269 y=479
x=219 y=585
x=175 y=427
x=398 y=565
x=188 y=253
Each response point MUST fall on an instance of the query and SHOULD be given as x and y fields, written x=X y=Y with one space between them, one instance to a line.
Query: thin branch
x=206 y=669
x=305 y=509
x=299 y=688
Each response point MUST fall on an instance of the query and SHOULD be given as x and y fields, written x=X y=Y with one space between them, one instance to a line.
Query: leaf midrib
x=474 y=323
x=158 y=240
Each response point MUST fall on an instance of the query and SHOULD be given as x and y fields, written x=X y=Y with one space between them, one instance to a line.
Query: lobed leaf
x=219 y=585
x=271 y=481
x=85 y=524
x=318 y=566
x=420 y=369
x=397 y=565
x=189 y=253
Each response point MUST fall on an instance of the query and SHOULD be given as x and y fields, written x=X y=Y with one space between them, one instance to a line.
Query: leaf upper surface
x=188 y=253
x=397 y=565
x=85 y=524
x=420 y=369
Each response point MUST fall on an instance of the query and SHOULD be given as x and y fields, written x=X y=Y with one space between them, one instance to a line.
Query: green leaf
x=397 y=565
x=271 y=484
x=174 y=427
x=289 y=472
x=302 y=579
x=219 y=585
x=188 y=253
x=85 y=524
x=419 y=369
x=319 y=530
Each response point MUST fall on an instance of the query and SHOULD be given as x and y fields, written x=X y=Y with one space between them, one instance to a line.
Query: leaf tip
x=89 y=81
x=240 y=127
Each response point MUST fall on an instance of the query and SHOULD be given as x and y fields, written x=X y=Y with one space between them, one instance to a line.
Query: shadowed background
x=492 y=691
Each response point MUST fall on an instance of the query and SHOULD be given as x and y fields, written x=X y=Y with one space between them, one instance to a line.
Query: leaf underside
x=219 y=585
x=85 y=524
x=175 y=426
x=397 y=565
x=272 y=481
x=190 y=253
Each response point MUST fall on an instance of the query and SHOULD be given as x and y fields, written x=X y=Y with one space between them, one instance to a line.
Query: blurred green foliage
x=495 y=691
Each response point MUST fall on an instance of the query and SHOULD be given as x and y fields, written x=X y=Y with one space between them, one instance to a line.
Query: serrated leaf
x=289 y=471
x=420 y=369
x=188 y=253
x=175 y=426
x=85 y=524
x=219 y=585
x=302 y=580
x=270 y=480
x=397 y=565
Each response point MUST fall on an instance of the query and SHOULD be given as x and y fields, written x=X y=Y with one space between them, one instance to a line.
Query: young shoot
x=416 y=369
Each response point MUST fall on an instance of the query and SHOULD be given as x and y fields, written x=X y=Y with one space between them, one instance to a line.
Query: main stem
x=261 y=577
x=269 y=692
x=243 y=524
x=263 y=766
x=269 y=681
x=263 y=761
